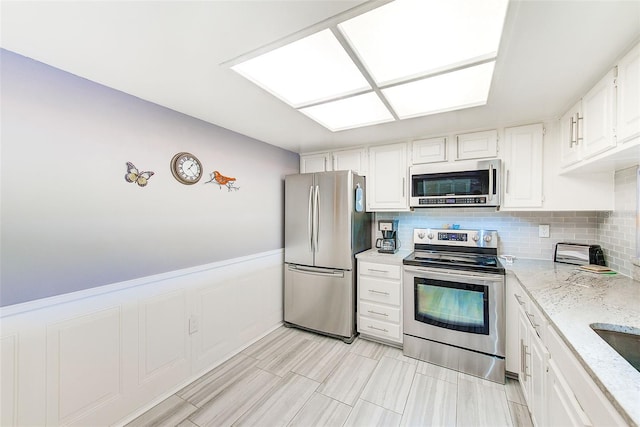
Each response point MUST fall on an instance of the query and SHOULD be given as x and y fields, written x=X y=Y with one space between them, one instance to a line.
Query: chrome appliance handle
x=450 y=275
x=316 y=220
x=310 y=220
x=491 y=181
x=315 y=271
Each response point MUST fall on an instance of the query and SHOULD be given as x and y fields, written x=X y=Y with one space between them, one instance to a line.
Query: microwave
x=459 y=184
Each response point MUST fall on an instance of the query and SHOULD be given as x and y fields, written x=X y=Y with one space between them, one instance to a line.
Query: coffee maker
x=389 y=244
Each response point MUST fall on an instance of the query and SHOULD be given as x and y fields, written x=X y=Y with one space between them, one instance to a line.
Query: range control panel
x=468 y=238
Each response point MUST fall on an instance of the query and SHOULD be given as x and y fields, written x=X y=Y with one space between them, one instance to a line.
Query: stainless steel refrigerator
x=325 y=226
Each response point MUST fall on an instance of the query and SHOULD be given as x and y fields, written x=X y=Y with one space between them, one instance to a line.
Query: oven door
x=459 y=308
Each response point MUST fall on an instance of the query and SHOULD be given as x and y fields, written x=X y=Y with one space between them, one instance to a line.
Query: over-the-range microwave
x=457 y=184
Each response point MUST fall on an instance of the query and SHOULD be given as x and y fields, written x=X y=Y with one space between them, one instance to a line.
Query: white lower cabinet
x=557 y=389
x=380 y=301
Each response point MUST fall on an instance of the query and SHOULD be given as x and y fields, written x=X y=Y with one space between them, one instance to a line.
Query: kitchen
x=85 y=249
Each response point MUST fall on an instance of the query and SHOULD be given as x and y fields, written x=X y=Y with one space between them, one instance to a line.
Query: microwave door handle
x=491 y=181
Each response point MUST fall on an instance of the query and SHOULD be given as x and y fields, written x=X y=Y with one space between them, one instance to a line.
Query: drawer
x=378 y=328
x=379 y=290
x=379 y=270
x=380 y=312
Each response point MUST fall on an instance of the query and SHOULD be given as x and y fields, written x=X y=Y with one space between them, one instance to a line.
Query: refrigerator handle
x=316 y=219
x=310 y=220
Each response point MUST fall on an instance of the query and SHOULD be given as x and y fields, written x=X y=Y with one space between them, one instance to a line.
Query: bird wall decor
x=221 y=180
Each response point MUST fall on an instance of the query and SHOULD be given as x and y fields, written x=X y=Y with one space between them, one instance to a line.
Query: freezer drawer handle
x=317 y=272
x=379 y=314
x=373 y=291
x=378 y=329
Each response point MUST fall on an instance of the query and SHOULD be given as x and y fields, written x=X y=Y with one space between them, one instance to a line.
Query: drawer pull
x=379 y=314
x=532 y=320
x=378 y=329
x=373 y=291
x=518 y=299
x=377 y=271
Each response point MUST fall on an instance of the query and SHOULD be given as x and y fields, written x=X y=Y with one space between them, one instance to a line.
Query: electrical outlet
x=543 y=230
x=193 y=325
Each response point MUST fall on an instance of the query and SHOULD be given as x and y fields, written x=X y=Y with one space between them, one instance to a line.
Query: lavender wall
x=69 y=219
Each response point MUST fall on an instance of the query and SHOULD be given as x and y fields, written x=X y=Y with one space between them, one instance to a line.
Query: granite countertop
x=372 y=255
x=572 y=300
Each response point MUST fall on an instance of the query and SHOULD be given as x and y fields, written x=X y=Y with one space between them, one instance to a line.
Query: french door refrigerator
x=325 y=226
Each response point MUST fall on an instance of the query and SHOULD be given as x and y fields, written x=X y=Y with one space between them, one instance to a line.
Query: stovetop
x=455 y=261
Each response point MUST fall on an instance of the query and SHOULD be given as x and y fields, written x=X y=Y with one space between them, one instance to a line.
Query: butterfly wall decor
x=221 y=180
x=141 y=178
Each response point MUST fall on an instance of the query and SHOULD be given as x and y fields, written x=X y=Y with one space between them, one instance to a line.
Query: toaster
x=579 y=254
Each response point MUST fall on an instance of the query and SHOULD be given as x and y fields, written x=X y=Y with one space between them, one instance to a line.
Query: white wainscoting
x=100 y=357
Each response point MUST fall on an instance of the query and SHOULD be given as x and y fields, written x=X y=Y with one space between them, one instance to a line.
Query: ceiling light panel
x=464 y=88
x=310 y=70
x=410 y=38
x=356 y=111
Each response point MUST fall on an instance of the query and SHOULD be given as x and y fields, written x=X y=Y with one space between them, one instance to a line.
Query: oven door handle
x=454 y=275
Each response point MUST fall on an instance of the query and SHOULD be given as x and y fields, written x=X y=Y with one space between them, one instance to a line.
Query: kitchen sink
x=624 y=340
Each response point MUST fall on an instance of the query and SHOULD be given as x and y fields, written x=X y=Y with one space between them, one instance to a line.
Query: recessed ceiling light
x=313 y=69
x=404 y=59
x=356 y=111
x=464 y=88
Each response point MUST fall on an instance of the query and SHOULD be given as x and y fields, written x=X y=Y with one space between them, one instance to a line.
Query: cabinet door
x=477 y=145
x=537 y=392
x=562 y=407
x=350 y=160
x=512 y=356
x=311 y=163
x=570 y=126
x=628 y=82
x=597 y=109
x=387 y=178
x=429 y=150
x=523 y=166
x=524 y=371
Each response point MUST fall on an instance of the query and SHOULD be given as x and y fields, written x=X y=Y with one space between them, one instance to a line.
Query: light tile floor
x=296 y=378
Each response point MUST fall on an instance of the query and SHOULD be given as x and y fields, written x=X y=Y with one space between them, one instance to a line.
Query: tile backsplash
x=517 y=231
x=615 y=231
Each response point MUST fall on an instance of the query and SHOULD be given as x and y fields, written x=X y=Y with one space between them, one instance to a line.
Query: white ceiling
x=177 y=54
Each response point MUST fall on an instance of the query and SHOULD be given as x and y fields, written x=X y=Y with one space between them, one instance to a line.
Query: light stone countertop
x=572 y=300
x=372 y=255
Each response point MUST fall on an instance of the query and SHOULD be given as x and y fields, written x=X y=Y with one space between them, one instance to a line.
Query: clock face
x=186 y=168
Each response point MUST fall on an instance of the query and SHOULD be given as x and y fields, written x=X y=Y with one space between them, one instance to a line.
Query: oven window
x=467 y=183
x=460 y=306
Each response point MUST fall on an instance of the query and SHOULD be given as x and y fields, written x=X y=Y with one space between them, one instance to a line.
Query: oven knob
x=430 y=236
x=475 y=238
x=487 y=238
x=420 y=235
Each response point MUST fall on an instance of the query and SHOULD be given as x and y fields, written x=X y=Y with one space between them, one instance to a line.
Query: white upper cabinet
x=598 y=117
x=570 y=129
x=387 y=178
x=587 y=129
x=477 y=145
x=430 y=150
x=352 y=159
x=311 y=163
x=523 y=166
x=628 y=94
x=355 y=160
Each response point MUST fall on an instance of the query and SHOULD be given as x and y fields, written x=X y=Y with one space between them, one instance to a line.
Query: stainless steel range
x=454 y=301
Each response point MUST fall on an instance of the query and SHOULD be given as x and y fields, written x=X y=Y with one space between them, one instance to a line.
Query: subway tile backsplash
x=518 y=231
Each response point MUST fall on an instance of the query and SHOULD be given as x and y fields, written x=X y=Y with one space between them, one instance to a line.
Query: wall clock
x=186 y=168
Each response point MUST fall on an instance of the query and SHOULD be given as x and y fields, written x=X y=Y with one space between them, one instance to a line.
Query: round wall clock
x=186 y=168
